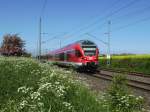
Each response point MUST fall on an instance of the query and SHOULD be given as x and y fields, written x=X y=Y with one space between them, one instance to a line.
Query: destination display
x=89 y=49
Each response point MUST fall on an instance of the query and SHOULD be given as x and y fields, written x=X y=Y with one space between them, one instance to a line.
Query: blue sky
x=68 y=21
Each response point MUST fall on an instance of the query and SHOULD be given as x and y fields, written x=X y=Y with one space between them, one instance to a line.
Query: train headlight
x=85 y=58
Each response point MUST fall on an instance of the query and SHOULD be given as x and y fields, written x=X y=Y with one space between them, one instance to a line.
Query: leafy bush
x=119 y=99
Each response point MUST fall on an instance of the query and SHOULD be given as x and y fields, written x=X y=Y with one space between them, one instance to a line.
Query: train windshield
x=88 y=47
x=89 y=50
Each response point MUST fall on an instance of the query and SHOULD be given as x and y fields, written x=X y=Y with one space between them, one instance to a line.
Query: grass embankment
x=28 y=86
x=131 y=63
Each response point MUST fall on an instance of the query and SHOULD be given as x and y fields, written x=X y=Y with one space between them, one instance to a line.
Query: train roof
x=81 y=42
x=85 y=42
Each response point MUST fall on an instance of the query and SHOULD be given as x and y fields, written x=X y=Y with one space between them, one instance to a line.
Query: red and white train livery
x=83 y=53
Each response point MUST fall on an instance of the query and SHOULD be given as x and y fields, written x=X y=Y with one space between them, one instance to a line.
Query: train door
x=65 y=56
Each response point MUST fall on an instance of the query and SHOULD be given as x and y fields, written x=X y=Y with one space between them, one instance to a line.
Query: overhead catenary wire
x=136 y=12
x=139 y=11
x=125 y=26
x=131 y=3
x=109 y=8
x=43 y=8
x=54 y=37
x=107 y=16
x=131 y=24
x=111 y=14
x=97 y=38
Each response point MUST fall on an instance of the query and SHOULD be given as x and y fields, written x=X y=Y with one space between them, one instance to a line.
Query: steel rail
x=135 y=81
x=127 y=72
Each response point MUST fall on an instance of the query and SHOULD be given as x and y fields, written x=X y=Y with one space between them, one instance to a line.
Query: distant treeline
x=122 y=54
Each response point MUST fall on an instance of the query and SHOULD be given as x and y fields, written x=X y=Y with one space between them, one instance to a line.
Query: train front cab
x=89 y=57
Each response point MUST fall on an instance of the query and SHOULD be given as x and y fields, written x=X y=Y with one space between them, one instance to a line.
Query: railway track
x=135 y=80
x=100 y=81
x=127 y=72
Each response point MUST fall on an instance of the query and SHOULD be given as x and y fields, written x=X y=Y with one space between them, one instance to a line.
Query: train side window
x=61 y=56
x=78 y=53
x=67 y=55
x=56 y=56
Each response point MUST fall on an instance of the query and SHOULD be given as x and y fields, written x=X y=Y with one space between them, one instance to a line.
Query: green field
x=131 y=63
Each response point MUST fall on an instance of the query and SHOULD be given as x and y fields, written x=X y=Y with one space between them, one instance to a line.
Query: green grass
x=28 y=86
x=131 y=63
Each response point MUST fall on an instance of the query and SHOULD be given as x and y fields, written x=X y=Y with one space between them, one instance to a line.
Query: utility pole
x=60 y=43
x=108 y=50
x=37 y=47
x=40 y=22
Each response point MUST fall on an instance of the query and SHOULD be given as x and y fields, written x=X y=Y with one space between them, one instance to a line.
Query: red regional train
x=82 y=54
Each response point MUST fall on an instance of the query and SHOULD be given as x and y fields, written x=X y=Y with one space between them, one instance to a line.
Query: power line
x=43 y=8
x=112 y=6
x=131 y=24
x=52 y=38
x=126 y=15
x=98 y=28
x=136 y=12
x=113 y=13
x=43 y=42
x=96 y=38
x=108 y=15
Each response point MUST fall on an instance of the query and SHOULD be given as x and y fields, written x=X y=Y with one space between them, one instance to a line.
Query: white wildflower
x=24 y=89
x=35 y=95
x=68 y=105
x=23 y=104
